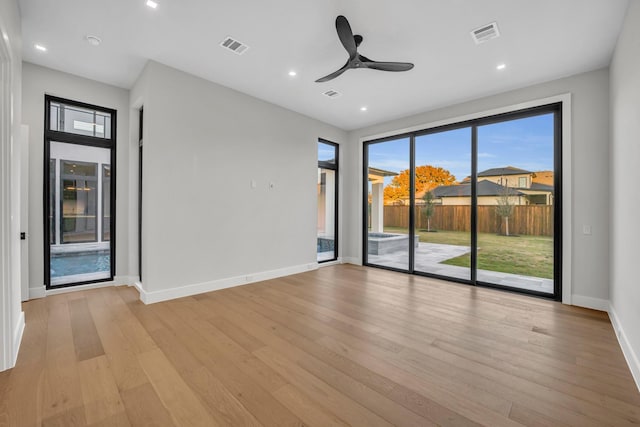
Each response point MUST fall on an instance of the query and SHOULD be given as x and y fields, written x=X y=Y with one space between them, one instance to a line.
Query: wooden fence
x=531 y=220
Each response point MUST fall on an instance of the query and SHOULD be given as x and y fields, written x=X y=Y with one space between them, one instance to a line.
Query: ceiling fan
x=351 y=43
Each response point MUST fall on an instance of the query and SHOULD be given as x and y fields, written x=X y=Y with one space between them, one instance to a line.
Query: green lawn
x=526 y=255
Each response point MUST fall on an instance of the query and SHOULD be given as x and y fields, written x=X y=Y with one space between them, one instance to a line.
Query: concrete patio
x=429 y=257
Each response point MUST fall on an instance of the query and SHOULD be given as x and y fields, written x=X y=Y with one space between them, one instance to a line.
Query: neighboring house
x=488 y=194
x=508 y=176
x=544 y=177
x=526 y=187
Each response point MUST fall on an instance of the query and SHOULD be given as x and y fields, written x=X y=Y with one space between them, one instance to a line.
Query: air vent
x=234 y=45
x=485 y=33
x=332 y=93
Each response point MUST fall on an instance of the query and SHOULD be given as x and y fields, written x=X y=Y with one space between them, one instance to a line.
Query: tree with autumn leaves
x=427 y=178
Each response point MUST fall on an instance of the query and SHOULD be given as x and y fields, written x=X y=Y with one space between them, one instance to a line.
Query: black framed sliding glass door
x=79 y=211
x=477 y=202
x=517 y=198
x=387 y=217
x=443 y=203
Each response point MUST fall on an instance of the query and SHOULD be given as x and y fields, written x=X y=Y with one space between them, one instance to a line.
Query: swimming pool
x=74 y=263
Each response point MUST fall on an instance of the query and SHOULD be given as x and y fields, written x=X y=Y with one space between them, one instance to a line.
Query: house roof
x=485 y=188
x=509 y=170
x=541 y=187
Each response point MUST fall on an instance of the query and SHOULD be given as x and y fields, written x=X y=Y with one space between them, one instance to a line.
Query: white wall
x=625 y=197
x=204 y=227
x=11 y=316
x=590 y=170
x=38 y=81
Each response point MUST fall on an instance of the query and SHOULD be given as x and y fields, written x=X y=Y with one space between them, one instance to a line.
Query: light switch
x=254 y=184
x=586 y=230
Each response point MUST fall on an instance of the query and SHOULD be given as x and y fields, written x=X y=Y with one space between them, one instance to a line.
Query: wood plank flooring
x=343 y=345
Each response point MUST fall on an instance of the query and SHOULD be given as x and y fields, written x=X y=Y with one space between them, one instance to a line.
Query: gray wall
x=625 y=196
x=203 y=144
x=38 y=81
x=590 y=170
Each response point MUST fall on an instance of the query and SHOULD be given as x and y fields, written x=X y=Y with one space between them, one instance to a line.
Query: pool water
x=70 y=264
x=325 y=244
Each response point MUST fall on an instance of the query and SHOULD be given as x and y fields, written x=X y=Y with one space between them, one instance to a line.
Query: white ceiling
x=541 y=40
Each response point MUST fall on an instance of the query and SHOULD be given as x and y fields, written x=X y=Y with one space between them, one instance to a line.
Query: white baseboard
x=330 y=263
x=351 y=260
x=17 y=338
x=629 y=354
x=125 y=280
x=150 y=297
x=590 y=302
x=143 y=294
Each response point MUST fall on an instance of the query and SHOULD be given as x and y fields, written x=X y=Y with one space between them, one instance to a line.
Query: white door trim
x=10 y=329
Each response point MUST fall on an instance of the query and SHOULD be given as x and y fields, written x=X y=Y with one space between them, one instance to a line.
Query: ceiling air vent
x=234 y=45
x=332 y=93
x=485 y=33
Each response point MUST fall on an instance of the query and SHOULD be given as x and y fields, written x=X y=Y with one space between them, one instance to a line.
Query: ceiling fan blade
x=334 y=74
x=388 y=66
x=346 y=36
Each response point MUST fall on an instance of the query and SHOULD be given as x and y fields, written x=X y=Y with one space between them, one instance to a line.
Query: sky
x=524 y=143
x=326 y=152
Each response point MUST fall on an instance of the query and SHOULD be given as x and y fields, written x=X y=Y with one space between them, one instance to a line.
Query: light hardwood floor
x=342 y=345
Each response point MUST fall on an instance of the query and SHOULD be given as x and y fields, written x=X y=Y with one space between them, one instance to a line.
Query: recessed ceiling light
x=293 y=73
x=40 y=47
x=501 y=66
x=152 y=4
x=93 y=40
x=5 y=36
x=363 y=108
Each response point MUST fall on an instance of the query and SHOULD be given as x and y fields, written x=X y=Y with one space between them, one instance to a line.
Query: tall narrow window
x=327 y=244
x=80 y=153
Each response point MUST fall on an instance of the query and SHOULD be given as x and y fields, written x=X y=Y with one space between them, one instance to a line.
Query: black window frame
x=554 y=108
x=335 y=167
x=103 y=168
x=140 y=182
x=84 y=140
